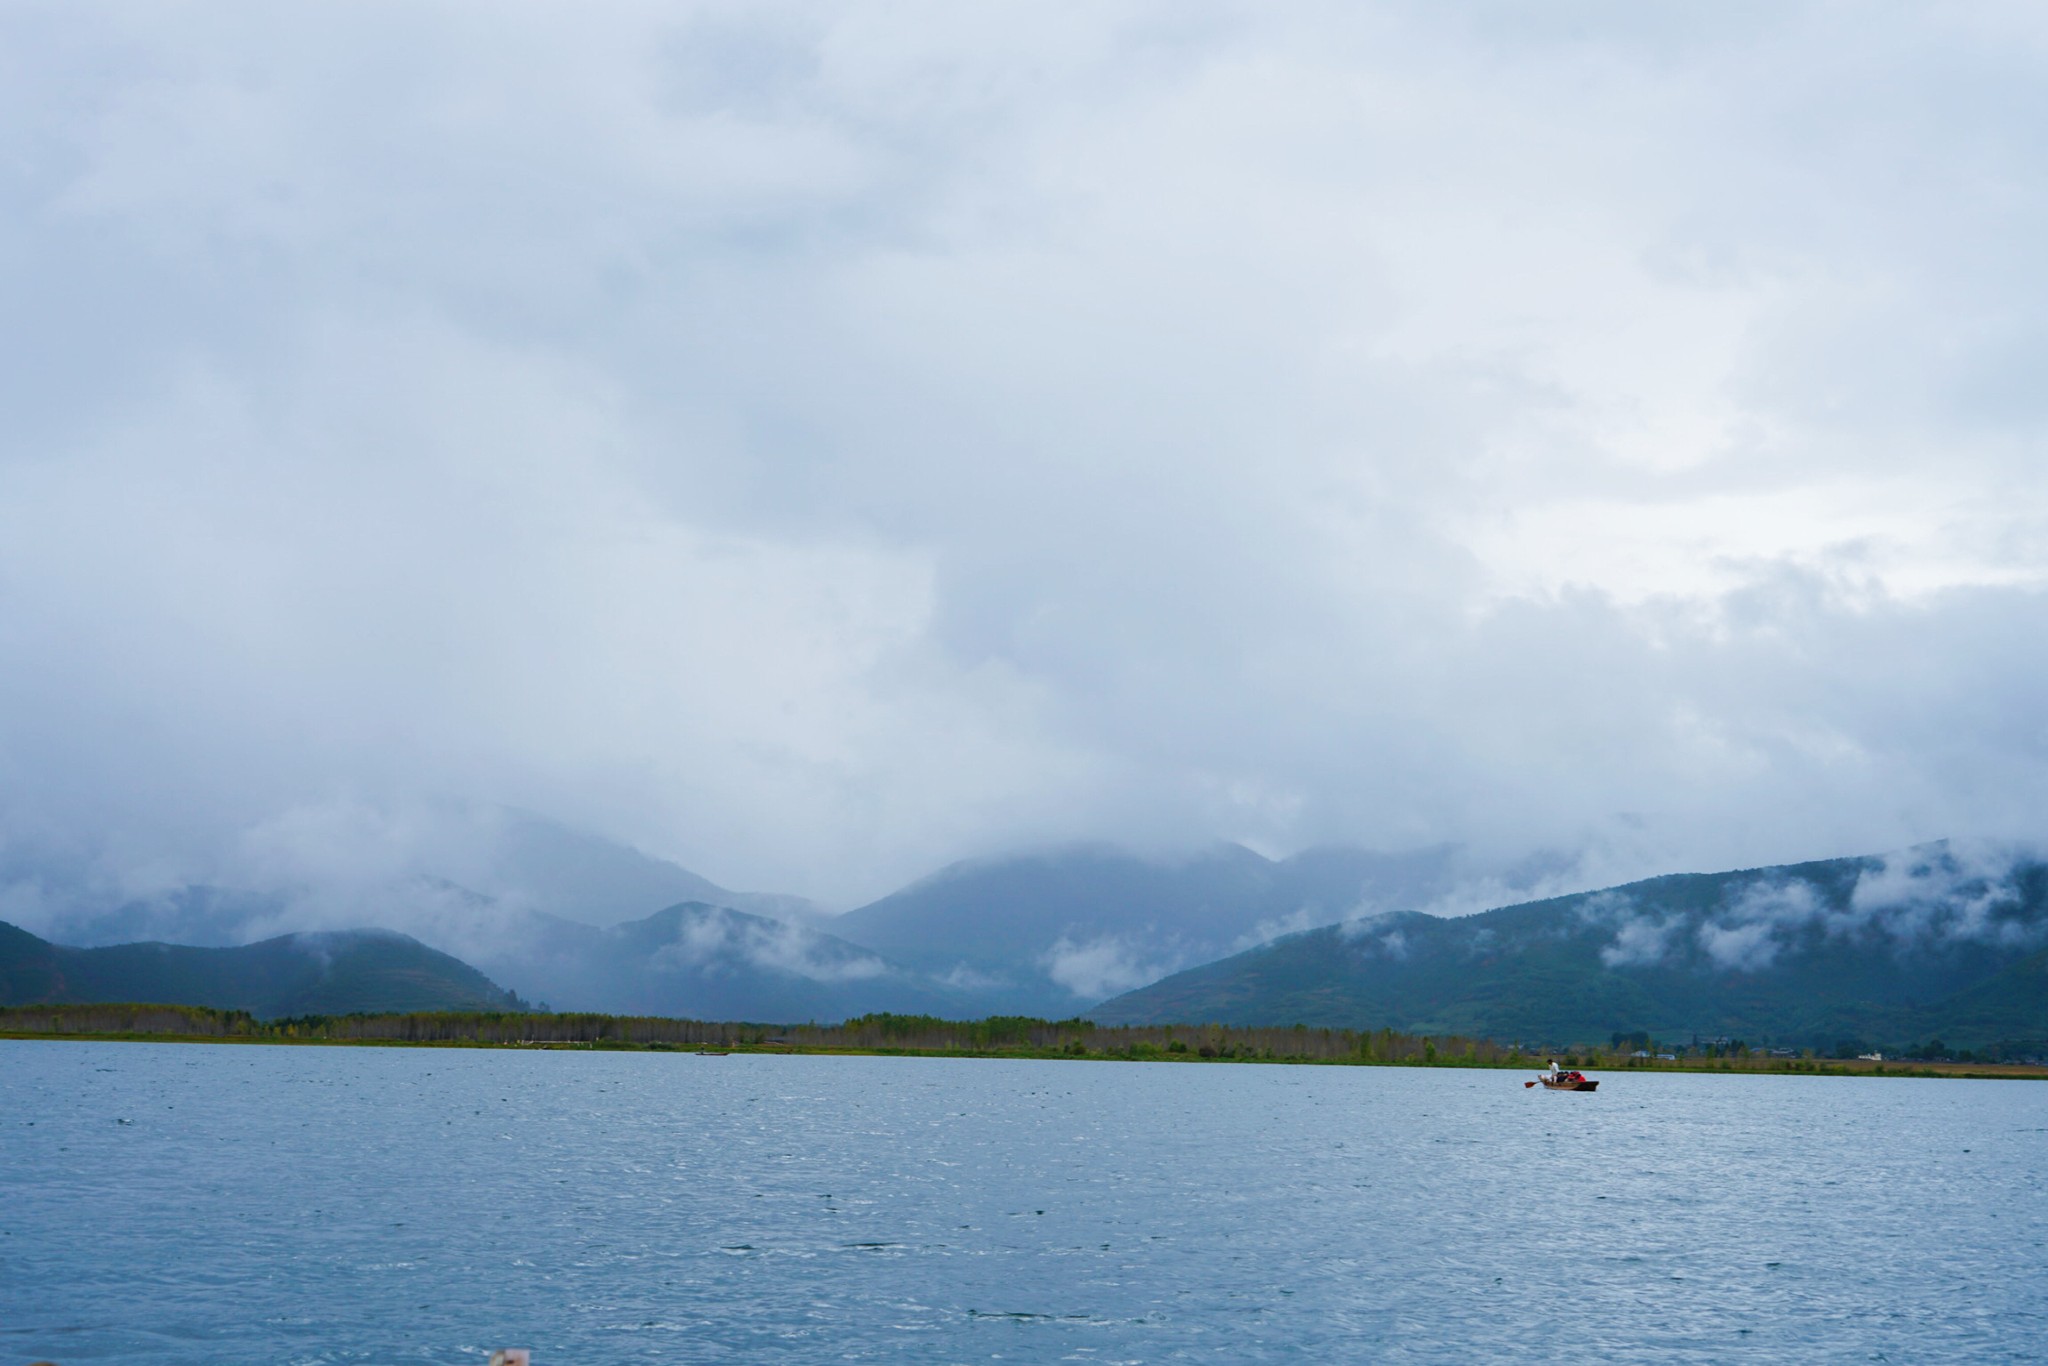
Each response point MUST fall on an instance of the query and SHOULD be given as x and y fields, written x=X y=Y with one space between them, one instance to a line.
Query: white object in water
x=512 y=1356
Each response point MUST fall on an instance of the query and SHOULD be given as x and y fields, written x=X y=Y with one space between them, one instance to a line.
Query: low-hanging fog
x=812 y=444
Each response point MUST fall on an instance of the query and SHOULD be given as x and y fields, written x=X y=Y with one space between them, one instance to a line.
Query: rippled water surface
x=190 y=1204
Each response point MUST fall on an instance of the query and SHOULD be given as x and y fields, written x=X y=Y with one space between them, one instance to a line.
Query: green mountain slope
x=1935 y=941
x=2011 y=1005
x=299 y=974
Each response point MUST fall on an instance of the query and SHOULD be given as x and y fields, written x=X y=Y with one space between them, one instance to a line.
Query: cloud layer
x=815 y=444
x=1916 y=901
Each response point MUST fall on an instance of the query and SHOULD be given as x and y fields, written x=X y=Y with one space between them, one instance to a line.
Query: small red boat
x=1565 y=1081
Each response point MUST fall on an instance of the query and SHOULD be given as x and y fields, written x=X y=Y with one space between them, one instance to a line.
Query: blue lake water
x=193 y=1204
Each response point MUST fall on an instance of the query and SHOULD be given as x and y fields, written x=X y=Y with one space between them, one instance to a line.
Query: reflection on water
x=193 y=1204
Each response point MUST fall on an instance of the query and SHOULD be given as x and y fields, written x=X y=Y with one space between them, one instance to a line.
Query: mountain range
x=582 y=923
x=315 y=973
x=1945 y=940
x=1052 y=931
x=1941 y=941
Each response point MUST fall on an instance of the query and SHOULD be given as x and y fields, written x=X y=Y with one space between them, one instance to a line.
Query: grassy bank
x=900 y=1035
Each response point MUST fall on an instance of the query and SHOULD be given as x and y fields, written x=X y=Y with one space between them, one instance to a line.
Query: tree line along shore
x=912 y=1035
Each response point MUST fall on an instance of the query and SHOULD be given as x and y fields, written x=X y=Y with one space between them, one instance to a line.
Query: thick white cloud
x=816 y=443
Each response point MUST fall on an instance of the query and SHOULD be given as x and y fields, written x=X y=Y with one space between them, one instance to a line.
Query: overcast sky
x=816 y=442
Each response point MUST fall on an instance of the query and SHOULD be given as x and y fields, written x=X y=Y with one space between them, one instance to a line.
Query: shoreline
x=1802 y=1067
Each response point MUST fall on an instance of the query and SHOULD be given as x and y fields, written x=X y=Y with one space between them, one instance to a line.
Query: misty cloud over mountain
x=1917 y=901
x=1939 y=941
x=818 y=446
x=465 y=877
x=1942 y=941
x=579 y=923
x=1053 y=931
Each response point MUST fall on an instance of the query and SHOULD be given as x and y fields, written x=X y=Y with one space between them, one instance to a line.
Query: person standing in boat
x=1553 y=1069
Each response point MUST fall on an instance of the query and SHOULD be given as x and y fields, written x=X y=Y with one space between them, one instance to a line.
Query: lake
x=169 y=1203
